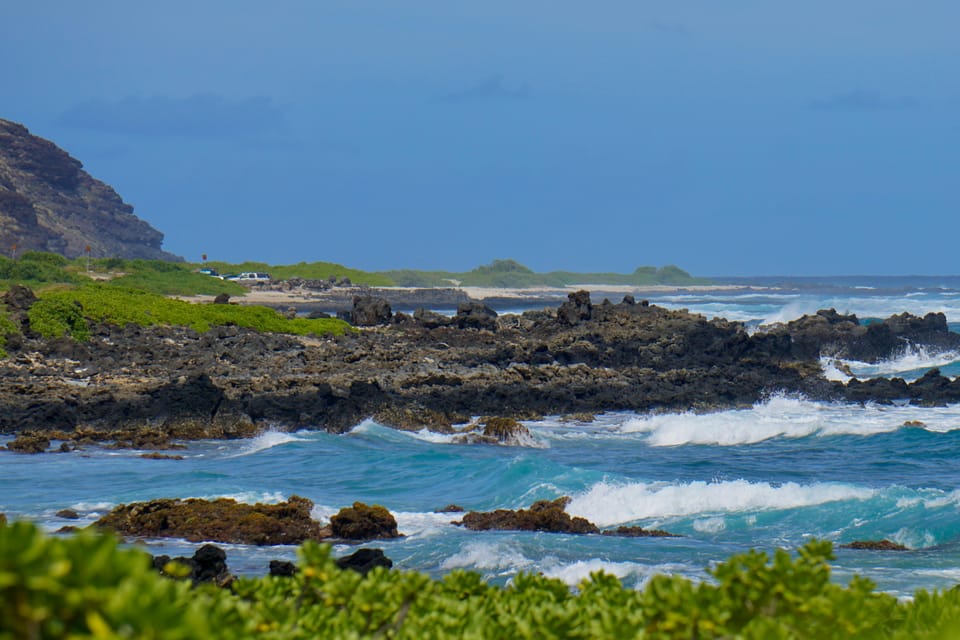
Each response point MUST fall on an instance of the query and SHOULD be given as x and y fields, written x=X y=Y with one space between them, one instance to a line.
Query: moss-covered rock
x=221 y=520
x=29 y=442
x=874 y=545
x=545 y=515
x=364 y=522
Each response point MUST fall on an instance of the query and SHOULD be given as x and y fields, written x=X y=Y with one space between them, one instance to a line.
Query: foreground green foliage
x=67 y=311
x=85 y=586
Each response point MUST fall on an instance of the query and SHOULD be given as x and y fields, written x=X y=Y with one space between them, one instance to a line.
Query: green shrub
x=56 y=316
x=36 y=268
x=57 y=313
x=85 y=586
x=7 y=328
x=44 y=258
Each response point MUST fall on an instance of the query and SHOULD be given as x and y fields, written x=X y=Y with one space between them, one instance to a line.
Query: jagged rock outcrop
x=145 y=386
x=369 y=311
x=833 y=334
x=49 y=203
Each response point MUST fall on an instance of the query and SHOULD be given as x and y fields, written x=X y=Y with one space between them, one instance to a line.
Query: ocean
x=771 y=476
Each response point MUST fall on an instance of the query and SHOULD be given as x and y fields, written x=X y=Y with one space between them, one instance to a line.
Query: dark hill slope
x=49 y=203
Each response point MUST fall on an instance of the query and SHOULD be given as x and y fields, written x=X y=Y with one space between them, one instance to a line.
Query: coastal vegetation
x=86 y=586
x=38 y=269
x=510 y=273
x=306 y=271
x=60 y=312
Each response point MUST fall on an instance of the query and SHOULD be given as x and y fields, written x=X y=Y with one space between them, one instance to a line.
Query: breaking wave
x=786 y=417
x=608 y=504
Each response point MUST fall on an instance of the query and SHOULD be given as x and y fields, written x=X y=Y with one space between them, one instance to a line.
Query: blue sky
x=730 y=138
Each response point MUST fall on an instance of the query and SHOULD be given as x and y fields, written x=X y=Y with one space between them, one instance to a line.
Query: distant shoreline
x=414 y=297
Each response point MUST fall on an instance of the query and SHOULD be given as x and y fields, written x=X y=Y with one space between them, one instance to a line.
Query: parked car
x=210 y=272
x=250 y=276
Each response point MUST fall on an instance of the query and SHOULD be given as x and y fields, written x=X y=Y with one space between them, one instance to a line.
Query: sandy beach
x=296 y=297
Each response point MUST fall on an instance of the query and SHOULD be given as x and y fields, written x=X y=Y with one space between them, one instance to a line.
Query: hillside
x=49 y=203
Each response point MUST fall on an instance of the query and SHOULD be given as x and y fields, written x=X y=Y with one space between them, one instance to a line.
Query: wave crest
x=608 y=504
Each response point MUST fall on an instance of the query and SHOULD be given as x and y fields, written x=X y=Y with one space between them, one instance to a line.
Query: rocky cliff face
x=49 y=203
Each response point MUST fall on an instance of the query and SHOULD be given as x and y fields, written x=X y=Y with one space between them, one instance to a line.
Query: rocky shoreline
x=147 y=387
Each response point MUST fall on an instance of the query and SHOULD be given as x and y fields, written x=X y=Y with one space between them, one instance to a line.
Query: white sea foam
x=425 y=435
x=505 y=559
x=487 y=556
x=249 y=497
x=421 y=525
x=264 y=441
x=609 y=504
x=786 y=417
x=84 y=507
x=710 y=525
x=912 y=358
x=835 y=370
x=574 y=573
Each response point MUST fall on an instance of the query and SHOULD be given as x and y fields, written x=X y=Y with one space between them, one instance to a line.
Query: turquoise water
x=771 y=476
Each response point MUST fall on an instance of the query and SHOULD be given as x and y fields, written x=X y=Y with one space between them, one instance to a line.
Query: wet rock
x=576 y=309
x=208 y=564
x=578 y=417
x=505 y=430
x=363 y=561
x=875 y=545
x=638 y=532
x=430 y=319
x=221 y=520
x=500 y=431
x=159 y=456
x=933 y=388
x=283 y=568
x=545 y=515
x=68 y=514
x=29 y=443
x=475 y=315
x=363 y=522
x=451 y=508
x=830 y=333
x=414 y=418
x=369 y=311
